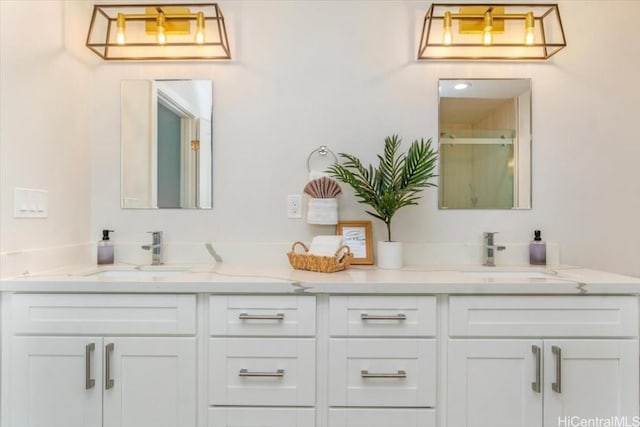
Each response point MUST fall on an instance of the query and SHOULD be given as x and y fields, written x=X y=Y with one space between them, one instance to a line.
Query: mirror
x=166 y=144
x=485 y=143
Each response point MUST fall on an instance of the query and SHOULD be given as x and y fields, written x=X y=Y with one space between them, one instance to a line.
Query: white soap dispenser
x=105 y=249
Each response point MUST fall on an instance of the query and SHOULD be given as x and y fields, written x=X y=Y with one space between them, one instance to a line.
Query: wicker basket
x=322 y=264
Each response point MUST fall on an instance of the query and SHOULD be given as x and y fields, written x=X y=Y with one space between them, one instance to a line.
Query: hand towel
x=325 y=245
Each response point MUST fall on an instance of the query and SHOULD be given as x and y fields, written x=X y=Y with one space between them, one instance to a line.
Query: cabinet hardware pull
x=88 y=381
x=248 y=373
x=246 y=316
x=536 y=385
x=399 y=374
x=108 y=384
x=400 y=316
x=557 y=386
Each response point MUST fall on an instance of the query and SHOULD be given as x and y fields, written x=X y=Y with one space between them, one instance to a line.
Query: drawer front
x=262 y=371
x=392 y=316
x=542 y=316
x=103 y=314
x=361 y=417
x=277 y=315
x=379 y=372
x=261 y=417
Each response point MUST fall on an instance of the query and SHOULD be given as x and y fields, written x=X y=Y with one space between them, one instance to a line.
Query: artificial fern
x=396 y=181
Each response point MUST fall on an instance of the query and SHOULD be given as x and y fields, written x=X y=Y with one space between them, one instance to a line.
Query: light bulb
x=446 y=31
x=529 y=30
x=162 y=34
x=487 y=36
x=200 y=28
x=120 y=24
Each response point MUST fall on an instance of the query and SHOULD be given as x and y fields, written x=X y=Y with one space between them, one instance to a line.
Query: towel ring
x=323 y=151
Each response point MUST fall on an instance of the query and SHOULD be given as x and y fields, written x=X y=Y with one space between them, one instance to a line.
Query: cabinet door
x=49 y=384
x=154 y=382
x=597 y=379
x=490 y=383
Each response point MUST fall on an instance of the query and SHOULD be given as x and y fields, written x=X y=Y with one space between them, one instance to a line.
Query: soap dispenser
x=105 y=248
x=537 y=250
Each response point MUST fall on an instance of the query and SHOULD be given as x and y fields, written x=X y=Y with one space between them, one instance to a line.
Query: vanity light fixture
x=514 y=31
x=158 y=32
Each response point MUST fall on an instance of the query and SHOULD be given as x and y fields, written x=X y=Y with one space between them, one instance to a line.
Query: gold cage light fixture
x=158 y=32
x=491 y=32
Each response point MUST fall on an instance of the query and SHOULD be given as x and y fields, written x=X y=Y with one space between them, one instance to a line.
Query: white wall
x=343 y=73
x=45 y=138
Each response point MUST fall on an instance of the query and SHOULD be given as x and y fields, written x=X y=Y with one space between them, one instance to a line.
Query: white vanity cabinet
x=532 y=361
x=382 y=361
x=85 y=360
x=262 y=357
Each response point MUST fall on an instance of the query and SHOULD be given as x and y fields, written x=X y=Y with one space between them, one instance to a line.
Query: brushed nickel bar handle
x=399 y=316
x=399 y=374
x=89 y=382
x=248 y=373
x=536 y=385
x=108 y=383
x=557 y=352
x=247 y=316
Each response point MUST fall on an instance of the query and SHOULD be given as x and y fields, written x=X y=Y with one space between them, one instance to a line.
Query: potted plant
x=396 y=182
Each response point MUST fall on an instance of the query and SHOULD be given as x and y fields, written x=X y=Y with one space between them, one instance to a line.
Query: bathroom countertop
x=235 y=278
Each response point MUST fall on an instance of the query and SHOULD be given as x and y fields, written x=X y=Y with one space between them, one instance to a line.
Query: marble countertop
x=237 y=278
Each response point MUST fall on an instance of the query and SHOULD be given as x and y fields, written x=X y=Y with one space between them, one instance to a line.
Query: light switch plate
x=30 y=203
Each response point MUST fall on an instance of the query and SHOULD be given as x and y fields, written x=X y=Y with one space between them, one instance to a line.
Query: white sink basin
x=148 y=273
x=505 y=274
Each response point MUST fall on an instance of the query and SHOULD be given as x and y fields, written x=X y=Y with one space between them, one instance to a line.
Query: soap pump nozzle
x=105 y=234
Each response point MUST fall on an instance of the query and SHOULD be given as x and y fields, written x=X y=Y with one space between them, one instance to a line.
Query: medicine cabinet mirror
x=166 y=144
x=485 y=143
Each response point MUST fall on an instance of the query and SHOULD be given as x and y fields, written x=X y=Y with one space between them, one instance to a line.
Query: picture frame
x=358 y=236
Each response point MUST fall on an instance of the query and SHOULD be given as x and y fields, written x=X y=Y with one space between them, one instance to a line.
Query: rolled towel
x=322 y=211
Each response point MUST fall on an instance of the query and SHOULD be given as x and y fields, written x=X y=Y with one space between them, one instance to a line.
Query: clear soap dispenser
x=105 y=249
x=537 y=250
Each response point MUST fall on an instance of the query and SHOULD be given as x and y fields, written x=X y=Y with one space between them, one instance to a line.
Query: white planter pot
x=389 y=255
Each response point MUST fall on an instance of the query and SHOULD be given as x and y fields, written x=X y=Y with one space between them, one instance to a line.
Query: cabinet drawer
x=259 y=371
x=382 y=372
x=103 y=314
x=361 y=417
x=393 y=316
x=261 y=417
x=543 y=316
x=278 y=315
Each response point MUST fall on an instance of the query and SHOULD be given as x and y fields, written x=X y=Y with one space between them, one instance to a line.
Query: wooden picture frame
x=357 y=235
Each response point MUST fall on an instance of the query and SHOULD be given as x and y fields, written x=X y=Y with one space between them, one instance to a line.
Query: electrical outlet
x=294 y=206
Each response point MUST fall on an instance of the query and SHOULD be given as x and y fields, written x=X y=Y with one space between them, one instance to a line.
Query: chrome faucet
x=155 y=247
x=488 y=249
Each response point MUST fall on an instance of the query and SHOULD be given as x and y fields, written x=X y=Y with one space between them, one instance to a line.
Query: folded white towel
x=325 y=245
